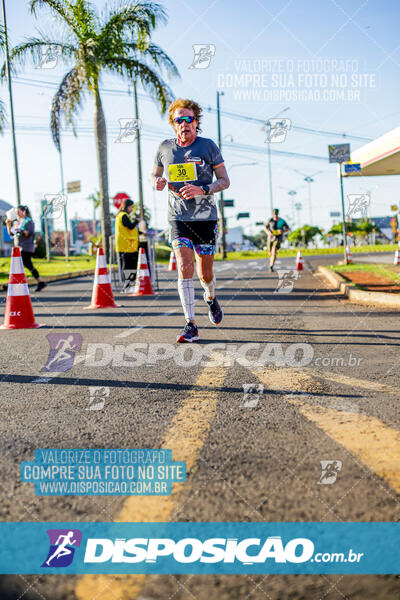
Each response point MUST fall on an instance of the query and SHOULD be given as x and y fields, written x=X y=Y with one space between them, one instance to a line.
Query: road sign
x=118 y=198
x=352 y=167
x=73 y=186
x=394 y=207
x=334 y=214
x=244 y=215
x=229 y=202
x=339 y=153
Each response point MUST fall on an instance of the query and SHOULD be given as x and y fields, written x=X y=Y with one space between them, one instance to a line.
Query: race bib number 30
x=182 y=172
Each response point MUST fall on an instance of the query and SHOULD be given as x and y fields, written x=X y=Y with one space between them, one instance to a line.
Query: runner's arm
x=156 y=172
x=222 y=182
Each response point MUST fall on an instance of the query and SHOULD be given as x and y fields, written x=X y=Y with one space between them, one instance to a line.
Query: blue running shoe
x=189 y=334
x=215 y=313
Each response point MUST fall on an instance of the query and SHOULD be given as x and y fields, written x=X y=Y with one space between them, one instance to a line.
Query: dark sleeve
x=126 y=222
x=216 y=159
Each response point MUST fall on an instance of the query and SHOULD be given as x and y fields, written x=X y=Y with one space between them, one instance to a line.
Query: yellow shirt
x=126 y=240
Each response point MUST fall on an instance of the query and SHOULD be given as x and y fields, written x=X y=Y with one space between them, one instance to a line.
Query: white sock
x=186 y=294
x=209 y=288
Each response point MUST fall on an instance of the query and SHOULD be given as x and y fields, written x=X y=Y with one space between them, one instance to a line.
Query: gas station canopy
x=379 y=157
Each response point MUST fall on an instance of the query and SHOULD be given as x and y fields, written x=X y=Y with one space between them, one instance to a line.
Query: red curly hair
x=185 y=103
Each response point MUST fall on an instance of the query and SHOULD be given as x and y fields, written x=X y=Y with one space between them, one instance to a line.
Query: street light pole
x=271 y=204
x=66 y=243
x=343 y=215
x=221 y=195
x=268 y=131
x=309 y=181
x=7 y=61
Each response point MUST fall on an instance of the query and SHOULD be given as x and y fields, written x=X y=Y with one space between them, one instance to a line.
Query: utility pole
x=139 y=155
x=221 y=195
x=11 y=106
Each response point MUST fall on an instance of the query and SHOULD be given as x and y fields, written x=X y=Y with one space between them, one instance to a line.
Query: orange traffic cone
x=19 y=311
x=143 y=285
x=299 y=262
x=396 y=257
x=172 y=262
x=348 y=255
x=102 y=296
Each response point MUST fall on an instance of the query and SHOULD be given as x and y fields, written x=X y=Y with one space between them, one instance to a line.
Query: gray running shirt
x=206 y=155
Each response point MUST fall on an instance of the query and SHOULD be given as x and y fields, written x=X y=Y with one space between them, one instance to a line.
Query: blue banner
x=208 y=548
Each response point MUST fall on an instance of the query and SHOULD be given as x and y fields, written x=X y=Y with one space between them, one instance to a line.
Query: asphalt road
x=252 y=432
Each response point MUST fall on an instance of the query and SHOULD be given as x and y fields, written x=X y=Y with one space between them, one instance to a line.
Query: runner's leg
x=184 y=261
x=204 y=268
x=274 y=253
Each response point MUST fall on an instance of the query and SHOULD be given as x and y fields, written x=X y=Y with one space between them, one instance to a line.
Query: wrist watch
x=206 y=189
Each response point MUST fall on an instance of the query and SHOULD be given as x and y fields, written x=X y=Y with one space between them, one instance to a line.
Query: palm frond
x=34 y=48
x=61 y=8
x=67 y=102
x=150 y=80
x=138 y=18
x=85 y=18
x=158 y=56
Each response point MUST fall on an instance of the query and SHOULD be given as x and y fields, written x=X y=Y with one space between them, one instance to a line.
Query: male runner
x=189 y=163
x=275 y=228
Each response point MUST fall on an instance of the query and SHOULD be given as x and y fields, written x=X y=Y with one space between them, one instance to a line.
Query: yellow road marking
x=375 y=386
x=185 y=437
x=373 y=442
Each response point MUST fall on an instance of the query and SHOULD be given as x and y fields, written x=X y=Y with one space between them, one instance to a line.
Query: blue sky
x=297 y=46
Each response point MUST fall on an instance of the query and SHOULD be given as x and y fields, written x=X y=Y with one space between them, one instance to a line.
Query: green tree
x=357 y=229
x=303 y=235
x=115 y=41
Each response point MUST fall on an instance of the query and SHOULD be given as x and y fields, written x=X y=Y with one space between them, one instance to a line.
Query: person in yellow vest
x=127 y=243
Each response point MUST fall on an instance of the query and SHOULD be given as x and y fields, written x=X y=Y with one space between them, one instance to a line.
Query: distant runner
x=189 y=163
x=275 y=228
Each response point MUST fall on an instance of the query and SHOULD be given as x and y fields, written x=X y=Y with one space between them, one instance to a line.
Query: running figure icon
x=62 y=549
x=63 y=347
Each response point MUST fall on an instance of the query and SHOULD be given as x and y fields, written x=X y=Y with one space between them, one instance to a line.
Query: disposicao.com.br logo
x=208 y=548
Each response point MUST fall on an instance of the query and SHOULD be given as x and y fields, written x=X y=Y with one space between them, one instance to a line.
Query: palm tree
x=117 y=42
x=2 y=116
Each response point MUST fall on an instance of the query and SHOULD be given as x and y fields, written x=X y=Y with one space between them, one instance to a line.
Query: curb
x=50 y=278
x=359 y=296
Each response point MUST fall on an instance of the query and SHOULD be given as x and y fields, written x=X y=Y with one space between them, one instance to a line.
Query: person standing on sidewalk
x=190 y=162
x=127 y=243
x=24 y=233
